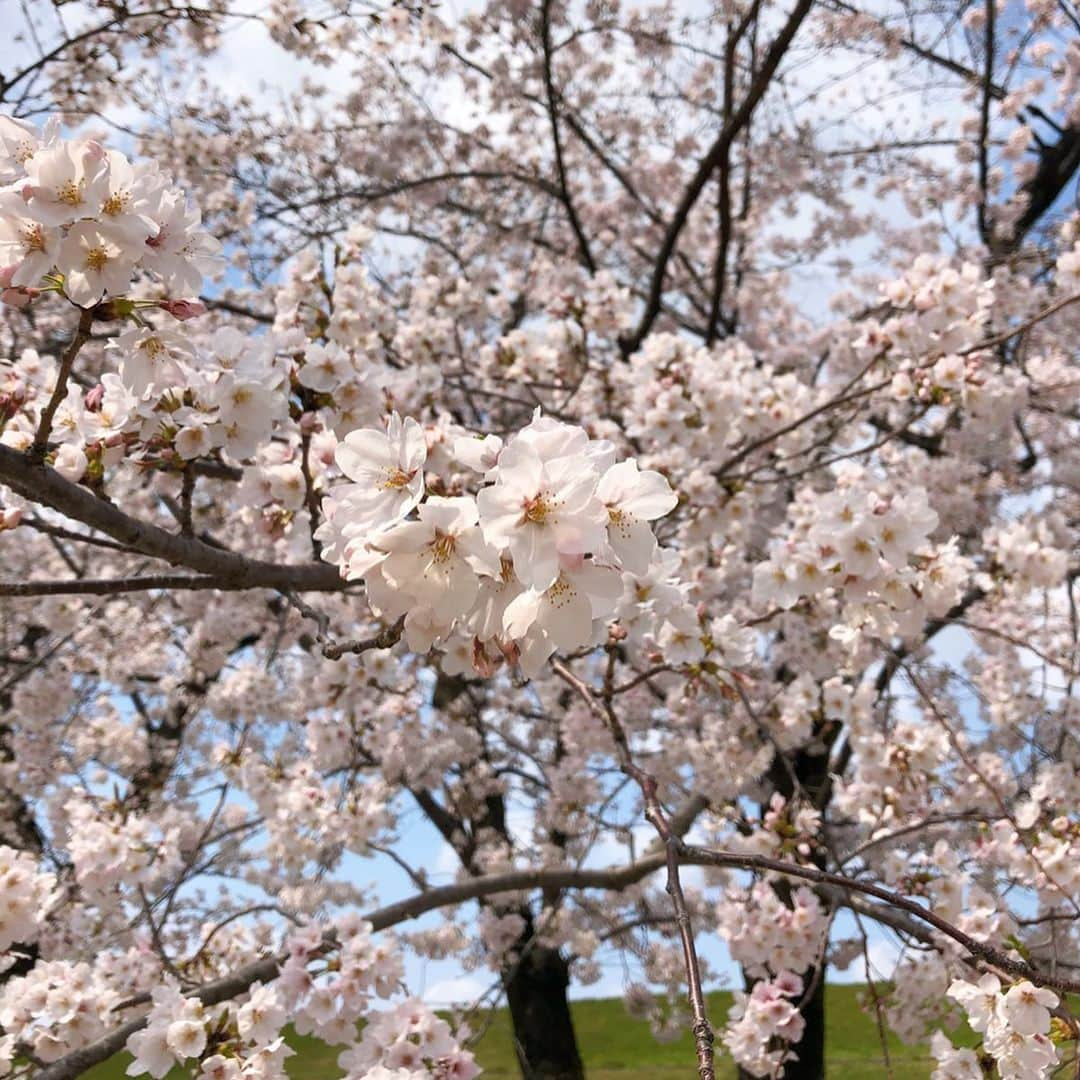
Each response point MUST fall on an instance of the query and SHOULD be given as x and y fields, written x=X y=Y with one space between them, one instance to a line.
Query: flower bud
x=183 y=309
x=94 y=398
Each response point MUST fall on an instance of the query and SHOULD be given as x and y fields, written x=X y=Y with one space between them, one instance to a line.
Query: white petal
x=566 y=614
x=521 y=613
x=536 y=558
x=364 y=452
x=652 y=497
x=409 y=536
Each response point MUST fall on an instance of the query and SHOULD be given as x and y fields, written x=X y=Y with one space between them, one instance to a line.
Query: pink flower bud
x=17 y=298
x=94 y=398
x=183 y=309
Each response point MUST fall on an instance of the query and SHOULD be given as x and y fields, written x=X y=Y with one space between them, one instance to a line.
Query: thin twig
x=673 y=847
x=384 y=639
x=40 y=445
x=1027 y=324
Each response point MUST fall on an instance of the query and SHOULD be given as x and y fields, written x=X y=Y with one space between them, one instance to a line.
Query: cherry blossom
x=633 y=498
x=386 y=470
x=619 y=546
x=542 y=508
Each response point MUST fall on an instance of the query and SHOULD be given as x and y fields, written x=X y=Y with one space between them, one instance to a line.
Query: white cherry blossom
x=65 y=182
x=436 y=560
x=94 y=262
x=1026 y=1008
x=541 y=510
x=561 y=616
x=29 y=246
x=387 y=473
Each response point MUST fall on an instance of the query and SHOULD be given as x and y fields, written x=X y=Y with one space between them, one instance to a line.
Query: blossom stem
x=40 y=445
x=673 y=847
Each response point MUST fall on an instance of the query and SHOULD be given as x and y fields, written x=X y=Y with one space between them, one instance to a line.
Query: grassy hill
x=615 y=1047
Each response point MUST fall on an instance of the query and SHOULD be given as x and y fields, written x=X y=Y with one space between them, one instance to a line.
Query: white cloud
x=457 y=991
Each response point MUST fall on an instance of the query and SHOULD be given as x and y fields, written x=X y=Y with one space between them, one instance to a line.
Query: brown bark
x=536 y=992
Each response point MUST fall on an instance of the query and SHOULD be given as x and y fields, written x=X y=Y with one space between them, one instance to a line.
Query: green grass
x=615 y=1047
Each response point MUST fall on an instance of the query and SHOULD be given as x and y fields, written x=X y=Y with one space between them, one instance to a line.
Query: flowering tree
x=623 y=439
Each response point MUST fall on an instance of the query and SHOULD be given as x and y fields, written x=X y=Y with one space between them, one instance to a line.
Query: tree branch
x=761 y=83
x=82 y=334
x=553 y=117
x=41 y=484
x=115 y=586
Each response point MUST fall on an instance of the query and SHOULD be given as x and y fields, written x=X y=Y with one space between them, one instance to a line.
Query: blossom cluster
x=936 y=309
x=82 y=219
x=1029 y=551
x=169 y=401
x=765 y=935
x=759 y=1020
x=108 y=851
x=301 y=810
x=533 y=562
x=27 y=896
x=354 y=351
x=689 y=405
x=1014 y=1025
x=61 y=1005
x=244 y=1037
x=83 y=214
x=873 y=549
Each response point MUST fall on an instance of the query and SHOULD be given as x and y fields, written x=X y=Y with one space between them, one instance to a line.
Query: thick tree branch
x=987 y=953
x=560 y=165
x=613 y=879
x=1058 y=164
x=43 y=485
x=761 y=82
x=115 y=586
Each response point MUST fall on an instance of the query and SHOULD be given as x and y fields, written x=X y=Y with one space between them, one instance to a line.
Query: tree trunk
x=811 y=1048
x=809 y=773
x=540 y=1011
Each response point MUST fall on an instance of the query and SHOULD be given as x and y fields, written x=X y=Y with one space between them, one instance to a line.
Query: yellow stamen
x=154 y=346
x=33 y=238
x=396 y=479
x=443 y=547
x=115 y=204
x=536 y=510
x=620 y=522
x=70 y=193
